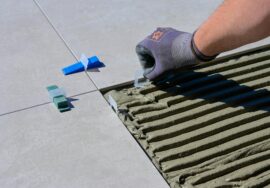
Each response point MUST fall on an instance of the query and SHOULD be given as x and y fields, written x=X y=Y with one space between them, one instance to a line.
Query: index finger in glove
x=146 y=58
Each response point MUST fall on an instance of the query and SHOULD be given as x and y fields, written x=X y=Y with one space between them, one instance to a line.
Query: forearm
x=234 y=24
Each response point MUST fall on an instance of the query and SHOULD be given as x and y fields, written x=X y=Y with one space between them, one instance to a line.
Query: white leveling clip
x=84 y=61
x=113 y=103
x=139 y=80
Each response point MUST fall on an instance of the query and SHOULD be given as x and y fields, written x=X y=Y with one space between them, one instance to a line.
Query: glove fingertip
x=139 y=49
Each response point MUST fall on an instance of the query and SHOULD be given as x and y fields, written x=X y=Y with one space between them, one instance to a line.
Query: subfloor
x=88 y=146
x=205 y=127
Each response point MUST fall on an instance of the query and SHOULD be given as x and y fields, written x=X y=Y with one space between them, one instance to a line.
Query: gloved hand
x=167 y=49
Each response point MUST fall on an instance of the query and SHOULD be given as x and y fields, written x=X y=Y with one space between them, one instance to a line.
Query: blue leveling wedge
x=82 y=65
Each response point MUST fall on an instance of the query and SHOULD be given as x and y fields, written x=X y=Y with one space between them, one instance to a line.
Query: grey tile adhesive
x=205 y=127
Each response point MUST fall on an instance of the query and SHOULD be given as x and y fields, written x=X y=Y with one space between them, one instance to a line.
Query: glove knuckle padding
x=163 y=50
x=181 y=50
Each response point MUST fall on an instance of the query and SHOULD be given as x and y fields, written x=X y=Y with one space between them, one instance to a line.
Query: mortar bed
x=208 y=126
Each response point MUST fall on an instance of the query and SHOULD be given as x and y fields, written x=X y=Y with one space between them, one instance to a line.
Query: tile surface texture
x=208 y=127
x=85 y=147
x=32 y=55
x=111 y=29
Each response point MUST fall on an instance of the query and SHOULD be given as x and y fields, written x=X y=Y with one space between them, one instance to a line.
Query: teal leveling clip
x=57 y=96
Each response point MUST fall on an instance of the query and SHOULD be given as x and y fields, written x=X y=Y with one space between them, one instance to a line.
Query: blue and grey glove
x=168 y=49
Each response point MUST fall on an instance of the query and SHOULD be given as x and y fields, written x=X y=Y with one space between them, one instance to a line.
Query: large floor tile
x=111 y=29
x=32 y=55
x=85 y=147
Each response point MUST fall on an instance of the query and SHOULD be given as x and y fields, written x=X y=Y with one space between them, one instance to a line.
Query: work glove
x=168 y=49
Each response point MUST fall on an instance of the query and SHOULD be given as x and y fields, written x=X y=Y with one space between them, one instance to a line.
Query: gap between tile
x=61 y=37
x=69 y=49
x=42 y=104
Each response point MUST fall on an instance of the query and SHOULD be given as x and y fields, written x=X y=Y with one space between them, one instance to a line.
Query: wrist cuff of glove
x=199 y=55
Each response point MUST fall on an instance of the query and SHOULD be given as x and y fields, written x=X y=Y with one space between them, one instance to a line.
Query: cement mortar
x=208 y=127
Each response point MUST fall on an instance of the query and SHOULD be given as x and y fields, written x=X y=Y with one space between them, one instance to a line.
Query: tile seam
x=62 y=38
x=72 y=53
x=42 y=104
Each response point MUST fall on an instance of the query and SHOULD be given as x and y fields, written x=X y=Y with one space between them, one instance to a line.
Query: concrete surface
x=32 y=55
x=86 y=147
